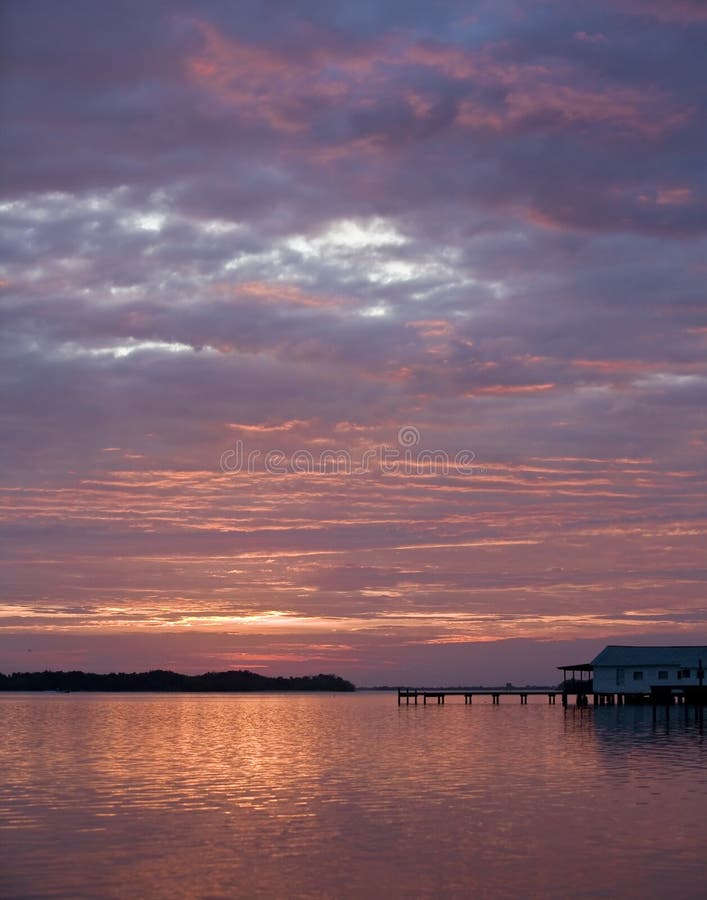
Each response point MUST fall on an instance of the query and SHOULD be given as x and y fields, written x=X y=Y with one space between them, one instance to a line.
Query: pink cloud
x=590 y=38
x=312 y=234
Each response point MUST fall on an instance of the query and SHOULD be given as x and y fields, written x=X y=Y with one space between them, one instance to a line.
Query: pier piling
x=407 y=694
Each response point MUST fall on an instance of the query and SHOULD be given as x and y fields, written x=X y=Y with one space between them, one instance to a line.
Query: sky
x=365 y=338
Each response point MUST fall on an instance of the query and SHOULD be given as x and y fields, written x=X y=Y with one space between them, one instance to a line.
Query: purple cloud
x=304 y=229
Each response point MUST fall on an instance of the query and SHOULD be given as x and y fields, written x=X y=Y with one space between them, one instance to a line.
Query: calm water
x=346 y=796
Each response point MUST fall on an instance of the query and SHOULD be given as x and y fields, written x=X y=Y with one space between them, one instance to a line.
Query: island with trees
x=165 y=681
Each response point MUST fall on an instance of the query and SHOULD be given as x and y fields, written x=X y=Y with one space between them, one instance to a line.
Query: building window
x=638 y=676
x=662 y=675
x=619 y=676
x=684 y=673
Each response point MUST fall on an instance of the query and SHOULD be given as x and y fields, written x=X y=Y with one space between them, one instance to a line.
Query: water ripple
x=319 y=796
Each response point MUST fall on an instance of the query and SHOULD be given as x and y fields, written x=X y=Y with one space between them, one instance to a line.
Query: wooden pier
x=408 y=694
x=655 y=697
x=581 y=688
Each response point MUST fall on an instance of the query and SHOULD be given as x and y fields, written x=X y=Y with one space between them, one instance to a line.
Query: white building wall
x=610 y=680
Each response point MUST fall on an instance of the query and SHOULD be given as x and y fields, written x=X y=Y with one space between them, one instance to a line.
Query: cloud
x=307 y=230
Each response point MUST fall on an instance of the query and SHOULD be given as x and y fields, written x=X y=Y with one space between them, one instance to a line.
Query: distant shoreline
x=165 y=681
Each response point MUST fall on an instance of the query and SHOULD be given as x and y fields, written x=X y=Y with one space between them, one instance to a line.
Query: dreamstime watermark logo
x=407 y=458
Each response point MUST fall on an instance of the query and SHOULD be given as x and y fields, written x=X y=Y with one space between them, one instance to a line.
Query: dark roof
x=677 y=657
x=578 y=667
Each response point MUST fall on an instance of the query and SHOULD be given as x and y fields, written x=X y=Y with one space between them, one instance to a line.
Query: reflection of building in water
x=633 y=673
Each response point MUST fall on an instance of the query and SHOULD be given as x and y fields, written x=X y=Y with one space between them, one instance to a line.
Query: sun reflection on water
x=302 y=795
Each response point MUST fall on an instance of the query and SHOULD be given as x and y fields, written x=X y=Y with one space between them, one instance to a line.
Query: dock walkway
x=408 y=694
x=656 y=697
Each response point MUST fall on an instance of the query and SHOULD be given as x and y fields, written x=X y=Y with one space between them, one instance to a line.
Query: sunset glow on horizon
x=355 y=339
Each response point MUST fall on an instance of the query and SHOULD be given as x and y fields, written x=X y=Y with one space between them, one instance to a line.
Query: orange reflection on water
x=346 y=796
